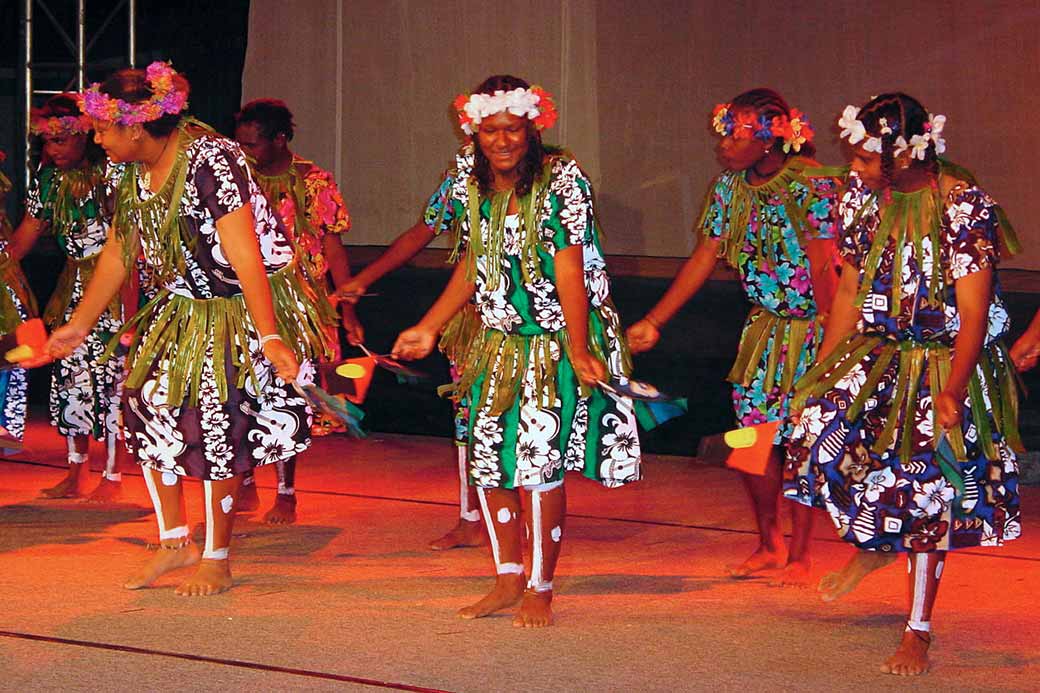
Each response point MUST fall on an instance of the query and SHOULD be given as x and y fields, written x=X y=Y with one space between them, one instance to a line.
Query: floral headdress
x=534 y=103
x=795 y=129
x=60 y=126
x=166 y=99
x=854 y=131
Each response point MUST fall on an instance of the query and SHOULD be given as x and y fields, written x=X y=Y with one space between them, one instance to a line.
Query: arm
x=339 y=268
x=973 y=293
x=108 y=278
x=643 y=335
x=238 y=239
x=821 y=254
x=1026 y=349
x=24 y=237
x=403 y=249
x=570 y=284
x=844 y=314
x=418 y=341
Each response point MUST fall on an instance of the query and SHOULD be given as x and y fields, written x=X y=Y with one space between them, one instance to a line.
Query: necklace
x=146 y=178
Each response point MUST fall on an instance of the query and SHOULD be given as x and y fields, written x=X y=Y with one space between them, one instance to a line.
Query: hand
x=642 y=336
x=948 y=410
x=64 y=340
x=589 y=369
x=414 y=343
x=1024 y=353
x=283 y=359
x=352 y=326
x=348 y=292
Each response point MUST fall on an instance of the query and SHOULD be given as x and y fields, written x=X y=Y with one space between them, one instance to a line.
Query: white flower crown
x=854 y=131
x=535 y=104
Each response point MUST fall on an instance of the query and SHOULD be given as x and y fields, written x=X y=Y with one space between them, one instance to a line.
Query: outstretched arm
x=643 y=335
x=841 y=322
x=418 y=341
x=403 y=249
x=24 y=237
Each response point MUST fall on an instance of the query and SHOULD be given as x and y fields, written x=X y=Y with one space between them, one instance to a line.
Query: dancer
x=528 y=254
x=456 y=337
x=312 y=209
x=909 y=424
x=66 y=197
x=17 y=304
x=210 y=369
x=773 y=221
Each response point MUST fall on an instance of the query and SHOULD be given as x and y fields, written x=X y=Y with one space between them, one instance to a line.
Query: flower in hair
x=794 y=130
x=166 y=99
x=744 y=125
x=535 y=104
x=60 y=126
x=722 y=119
x=934 y=127
x=900 y=146
x=851 y=126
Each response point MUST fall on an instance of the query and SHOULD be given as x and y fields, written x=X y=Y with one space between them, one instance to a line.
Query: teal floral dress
x=530 y=418
x=763 y=230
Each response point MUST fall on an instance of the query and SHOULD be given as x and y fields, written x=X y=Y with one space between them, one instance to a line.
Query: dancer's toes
x=66 y=488
x=107 y=491
x=463 y=534
x=763 y=558
x=797 y=574
x=911 y=658
x=506 y=593
x=834 y=586
x=211 y=577
x=535 y=610
x=164 y=560
x=248 y=499
x=284 y=510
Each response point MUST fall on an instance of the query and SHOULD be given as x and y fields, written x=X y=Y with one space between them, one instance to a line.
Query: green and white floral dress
x=530 y=418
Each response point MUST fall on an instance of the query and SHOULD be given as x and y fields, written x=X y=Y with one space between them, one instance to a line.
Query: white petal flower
x=918 y=145
x=900 y=146
x=850 y=125
x=873 y=144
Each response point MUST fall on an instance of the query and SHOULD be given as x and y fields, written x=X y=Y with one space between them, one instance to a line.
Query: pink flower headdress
x=534 y=103
x=60 y=126
x=166 y=99
x=794 y=130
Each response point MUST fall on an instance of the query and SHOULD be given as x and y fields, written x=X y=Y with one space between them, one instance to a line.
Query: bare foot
x=465 y=533
x=797 y=574
x=507 y=592
x=107 y=491
x=834 y=586
x=911 y=659
x=248 y=500
x=212 y=577
x=283 y=512
x=67 y=487
x=535 y=610
x=163 y=562
x=762 y=559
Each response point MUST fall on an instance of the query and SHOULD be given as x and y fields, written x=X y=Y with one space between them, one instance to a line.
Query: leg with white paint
x=545 y=510
x=501 y=511
x=284 y=510
x=248 y=498
x=214 y=572
x=176 y=549
x=470 y=530
x=77 y=459
x=110 y=488
x=911 y=659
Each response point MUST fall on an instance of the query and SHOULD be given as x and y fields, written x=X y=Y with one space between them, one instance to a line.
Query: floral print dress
x=865 y=447
x=529 y=419
x=763 y=230
x=259 y=419
x=86 y=390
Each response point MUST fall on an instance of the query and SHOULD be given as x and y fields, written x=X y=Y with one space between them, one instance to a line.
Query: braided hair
x=906 y=117
x=768 y=102
x=530 y=167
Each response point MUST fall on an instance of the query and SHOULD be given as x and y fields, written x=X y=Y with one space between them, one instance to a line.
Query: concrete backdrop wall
x=371 y=83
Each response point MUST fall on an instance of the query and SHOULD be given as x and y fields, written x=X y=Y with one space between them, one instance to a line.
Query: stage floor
x=350 y=598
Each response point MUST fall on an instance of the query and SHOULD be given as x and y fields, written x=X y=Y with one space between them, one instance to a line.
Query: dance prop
x=8 y=443
x=339 y=409
x=652 y=407
x=745 y=449
x=405 y=375
x=337 y=296
x=349 y=378
x=27 y=342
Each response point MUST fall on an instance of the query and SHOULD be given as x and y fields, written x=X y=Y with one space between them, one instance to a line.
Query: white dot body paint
x=169 y=479
x=556 y=533
x=504 y=515
x=226 y=503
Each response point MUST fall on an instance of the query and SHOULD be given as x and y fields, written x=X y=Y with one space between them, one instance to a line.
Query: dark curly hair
x=906 y=117
x=768 y=102
x=132 y=86
x=530 y=167
x=271 y=116
x=60 y=106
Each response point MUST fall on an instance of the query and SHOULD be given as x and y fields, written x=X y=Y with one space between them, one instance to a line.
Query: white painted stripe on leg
x=208 y=488
x=216 y=555
x=465 y=512
x=156 y=503
x=536 y=540
x=920 y=588
x=490 y=523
